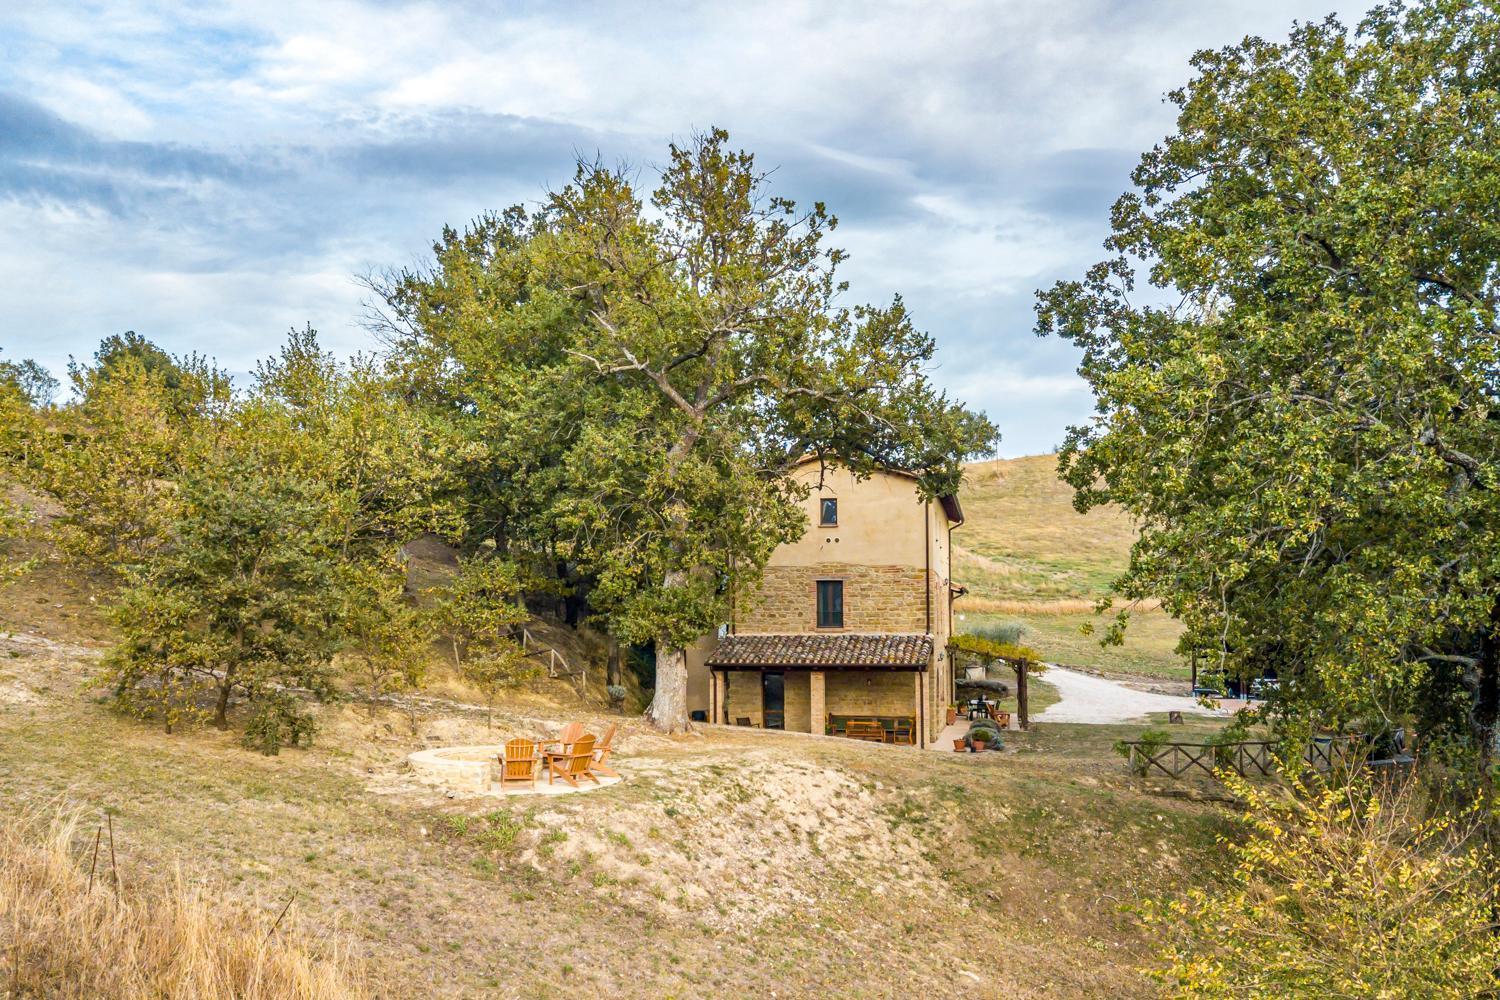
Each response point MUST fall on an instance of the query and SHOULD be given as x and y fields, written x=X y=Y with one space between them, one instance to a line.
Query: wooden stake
x=113 y=868
x=277 y=924
x=97 y=834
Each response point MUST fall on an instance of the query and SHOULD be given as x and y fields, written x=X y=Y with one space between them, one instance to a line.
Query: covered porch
x=872 y=687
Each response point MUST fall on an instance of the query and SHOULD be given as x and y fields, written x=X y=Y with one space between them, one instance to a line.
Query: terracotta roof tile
x=823 y=650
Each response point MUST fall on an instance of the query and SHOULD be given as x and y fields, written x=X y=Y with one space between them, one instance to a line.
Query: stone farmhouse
x=851 y=621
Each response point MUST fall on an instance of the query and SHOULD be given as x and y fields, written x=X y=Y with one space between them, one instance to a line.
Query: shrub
x=616 y=694
x=1151 y=741
x=988 y=731
x=277 y=720
x=67 y=939
x=1225 y=739
x=1340 y=891
x=1004 y=633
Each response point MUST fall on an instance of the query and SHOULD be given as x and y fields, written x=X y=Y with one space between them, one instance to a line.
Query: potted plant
x=980 y=738
x=616 y=694
x=952 y=714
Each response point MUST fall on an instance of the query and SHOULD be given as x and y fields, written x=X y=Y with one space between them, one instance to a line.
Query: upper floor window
x=830 y=604
x=828 y=512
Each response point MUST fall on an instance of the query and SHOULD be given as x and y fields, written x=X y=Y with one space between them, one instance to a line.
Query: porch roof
x=902 y=651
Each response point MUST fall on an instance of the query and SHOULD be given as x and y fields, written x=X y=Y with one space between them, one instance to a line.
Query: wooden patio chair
x=602 y=750
x=563 y=741
x=518 y=763
x=744 y=720
x=572 y=764
x=901 y=731
x=1003 y=718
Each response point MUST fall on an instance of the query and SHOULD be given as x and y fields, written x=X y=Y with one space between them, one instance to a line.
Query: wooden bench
x=891 y=729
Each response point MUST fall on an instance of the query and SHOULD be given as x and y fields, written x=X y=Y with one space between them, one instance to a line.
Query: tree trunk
x=1023 y=708
x=613 y=664
x=669 y=711
x=221 y=707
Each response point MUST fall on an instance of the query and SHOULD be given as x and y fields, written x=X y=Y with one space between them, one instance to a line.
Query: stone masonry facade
x=886 y=693
x=876 y=599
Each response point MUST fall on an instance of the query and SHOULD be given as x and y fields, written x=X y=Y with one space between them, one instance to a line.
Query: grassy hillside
x=730 y=863
x=1027 y=556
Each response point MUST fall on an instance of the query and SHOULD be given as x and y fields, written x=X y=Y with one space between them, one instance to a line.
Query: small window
x=830 y=604
x=828 y=513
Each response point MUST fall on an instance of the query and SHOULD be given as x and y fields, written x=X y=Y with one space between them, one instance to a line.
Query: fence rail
x=557 y=664
x=1246 y=758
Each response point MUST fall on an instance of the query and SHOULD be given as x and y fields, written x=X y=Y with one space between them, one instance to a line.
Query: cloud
x=210 y=176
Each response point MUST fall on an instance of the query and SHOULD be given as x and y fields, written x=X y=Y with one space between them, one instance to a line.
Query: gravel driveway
x=1086 y=698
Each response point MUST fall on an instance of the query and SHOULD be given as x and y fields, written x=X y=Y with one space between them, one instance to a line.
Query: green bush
x=1004 y=633
x=987 y=730
x=276 y=721
x=1151 y=741
x=1354 y=891
x=616 y=693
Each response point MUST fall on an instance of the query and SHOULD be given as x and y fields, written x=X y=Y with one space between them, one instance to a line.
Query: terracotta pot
x=952 y=716
x=958 y=746
x=980 y=746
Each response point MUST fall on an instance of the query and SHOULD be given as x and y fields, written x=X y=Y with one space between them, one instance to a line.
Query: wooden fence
x=1247 y=758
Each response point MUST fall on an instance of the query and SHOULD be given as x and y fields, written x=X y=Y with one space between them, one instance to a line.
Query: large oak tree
x=643 y=373
x=1308 y=426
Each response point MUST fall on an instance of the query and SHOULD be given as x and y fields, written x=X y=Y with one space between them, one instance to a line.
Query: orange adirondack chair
x=602 y=750
x=518 y=763
x=563 y=742
x=570 y=765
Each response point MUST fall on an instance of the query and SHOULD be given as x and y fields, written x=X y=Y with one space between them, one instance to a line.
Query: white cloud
x=969 y=149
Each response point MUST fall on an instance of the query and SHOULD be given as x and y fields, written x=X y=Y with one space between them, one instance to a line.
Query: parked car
x=1264 y=687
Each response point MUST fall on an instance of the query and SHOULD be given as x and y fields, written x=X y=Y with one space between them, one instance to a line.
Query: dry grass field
x=732 y=862
x=1027 y=556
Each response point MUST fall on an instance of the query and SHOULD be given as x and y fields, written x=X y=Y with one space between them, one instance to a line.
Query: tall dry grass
x=62 y=937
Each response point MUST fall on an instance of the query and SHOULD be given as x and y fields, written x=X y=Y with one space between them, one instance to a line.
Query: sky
x=211 y=175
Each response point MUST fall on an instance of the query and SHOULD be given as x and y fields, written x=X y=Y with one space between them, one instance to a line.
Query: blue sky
x=213 y=174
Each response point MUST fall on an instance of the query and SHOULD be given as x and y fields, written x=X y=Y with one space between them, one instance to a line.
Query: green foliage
x=387 y=467
x=1150 y=742
x=616 y=693
x=236 y=603
x=1349 y=891
x=479 y=611
x=642 y=375
x=987 y=650
x=35 y=384
x=112 y=458
x=1307 y=437
x=1002 y=633
x=277 y=720
x=384 y=634
x=987 y=730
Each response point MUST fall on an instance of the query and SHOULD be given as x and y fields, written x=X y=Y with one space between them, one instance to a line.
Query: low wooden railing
x=1246 y=758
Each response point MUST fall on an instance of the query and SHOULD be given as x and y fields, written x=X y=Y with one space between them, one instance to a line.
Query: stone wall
x=871 y=692
x=876 y=599
x=742 y=699
x=885 y=693
x=797 y=687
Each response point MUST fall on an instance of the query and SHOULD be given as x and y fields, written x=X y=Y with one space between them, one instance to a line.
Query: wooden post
x=916 y=719
x=1023 y=713
x=1195 y=669
x=816 y=703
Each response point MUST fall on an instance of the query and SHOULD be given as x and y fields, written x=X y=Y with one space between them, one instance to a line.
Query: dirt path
x=1085 y=698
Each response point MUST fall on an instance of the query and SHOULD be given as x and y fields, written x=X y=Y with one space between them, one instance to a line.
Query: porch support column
x=918 y=723
x=817 y=710
x=721 y=696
